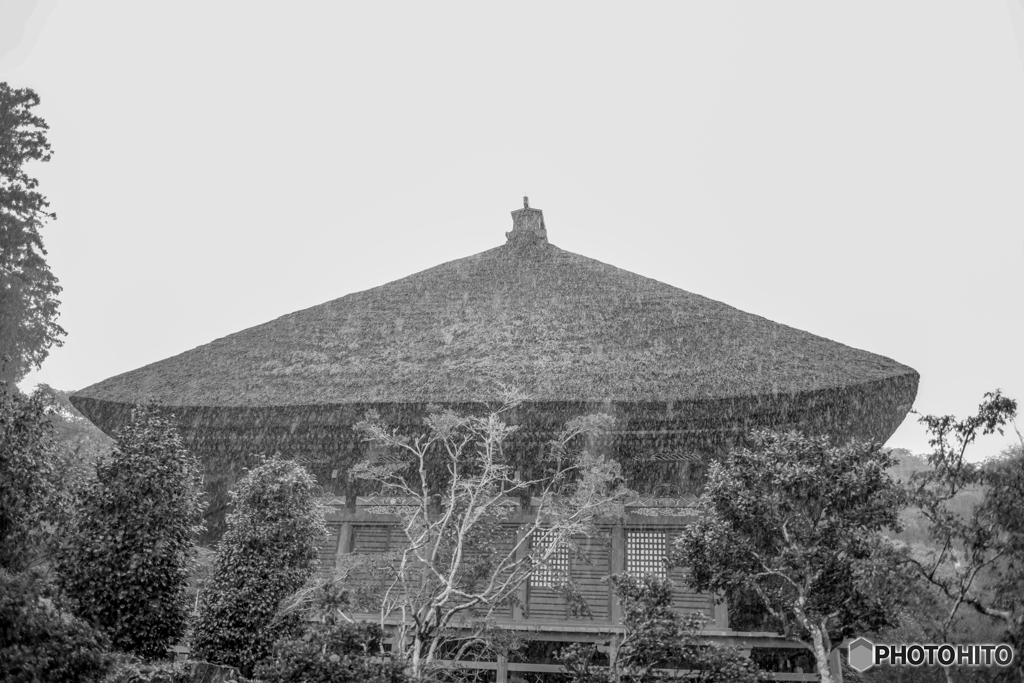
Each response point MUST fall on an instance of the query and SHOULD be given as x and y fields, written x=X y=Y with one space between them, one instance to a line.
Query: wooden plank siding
x=329 y=549
x=498 y=547
x=375 y=538
x=683 y=599
x=598 y=558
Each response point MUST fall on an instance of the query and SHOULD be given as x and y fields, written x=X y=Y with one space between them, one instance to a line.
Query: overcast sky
x=852 y=169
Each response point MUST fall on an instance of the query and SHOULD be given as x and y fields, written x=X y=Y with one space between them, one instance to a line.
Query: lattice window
x=555 y=571
x=645 y=553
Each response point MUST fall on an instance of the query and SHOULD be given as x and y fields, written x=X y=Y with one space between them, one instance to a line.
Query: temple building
x=685 y=377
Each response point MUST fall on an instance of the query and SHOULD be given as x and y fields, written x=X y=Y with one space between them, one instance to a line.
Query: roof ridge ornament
x=527 y=227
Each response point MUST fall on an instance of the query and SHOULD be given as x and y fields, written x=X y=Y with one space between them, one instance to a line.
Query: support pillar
x=501 y=675
x=613 y=657
x=519 y=607
x=618 y=565
x=721 y=612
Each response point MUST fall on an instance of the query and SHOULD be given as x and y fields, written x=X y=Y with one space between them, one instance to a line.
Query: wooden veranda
x=636 y=543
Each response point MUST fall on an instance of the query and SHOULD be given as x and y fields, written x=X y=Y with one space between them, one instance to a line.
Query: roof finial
x=527 y=226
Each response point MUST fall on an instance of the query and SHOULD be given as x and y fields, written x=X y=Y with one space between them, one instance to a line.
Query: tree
x=29 y=496
x=658 y=639
x=270 y=549
x=28 y=290
x=468 y=547
x=797 y=522
x=977 y=559
x=126 y=561
x=47 y=449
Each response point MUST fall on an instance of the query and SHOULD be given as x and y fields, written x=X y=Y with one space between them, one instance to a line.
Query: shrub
x=331 y=653
x=39 y=642
x=129 y=669
x=125 y=565
x=271 y=547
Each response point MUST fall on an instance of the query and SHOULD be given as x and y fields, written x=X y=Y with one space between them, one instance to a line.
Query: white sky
x=855 y=170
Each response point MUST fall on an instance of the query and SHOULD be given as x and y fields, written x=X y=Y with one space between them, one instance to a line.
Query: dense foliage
x=28 y=290
x=331 y=653
x=658 y=642
x=29 y=497
x=126 y=562
x=47 y=450
x=797 y=522
x=270 y=549
x=39 y=643
x=131 y=669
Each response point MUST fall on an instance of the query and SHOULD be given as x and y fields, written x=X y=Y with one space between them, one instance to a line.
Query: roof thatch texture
x=560 y=326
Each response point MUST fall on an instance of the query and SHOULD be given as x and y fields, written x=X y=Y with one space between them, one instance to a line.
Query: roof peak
x=527 y=226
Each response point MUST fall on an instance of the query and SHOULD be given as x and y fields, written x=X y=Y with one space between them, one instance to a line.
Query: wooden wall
x=371 y=539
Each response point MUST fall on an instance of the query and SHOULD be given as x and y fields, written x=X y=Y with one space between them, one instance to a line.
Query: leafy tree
x=29 y=500
x=797 y=522
x=468 y=549
x=977 y=555
x=28 y=290
x=270 y=549
x=40 y=643
x=47 y=449
x=126 y=561
x=659 y=642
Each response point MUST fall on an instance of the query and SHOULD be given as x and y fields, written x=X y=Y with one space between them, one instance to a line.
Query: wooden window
x=556 y=571
x=645 y=552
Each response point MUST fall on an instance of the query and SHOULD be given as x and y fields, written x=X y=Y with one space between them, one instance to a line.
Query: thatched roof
x=681 y=374
x=561 y=326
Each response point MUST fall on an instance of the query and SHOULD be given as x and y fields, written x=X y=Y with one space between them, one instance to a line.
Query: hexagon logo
x=861 y=654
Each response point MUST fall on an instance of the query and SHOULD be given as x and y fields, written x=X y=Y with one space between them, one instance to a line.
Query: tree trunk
x=417 y=645
x=820 y=655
